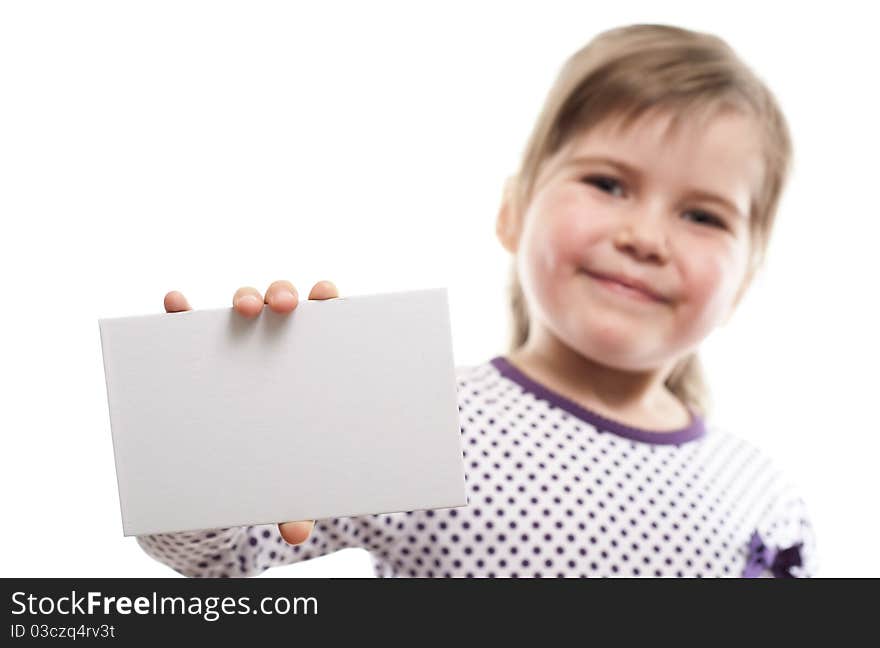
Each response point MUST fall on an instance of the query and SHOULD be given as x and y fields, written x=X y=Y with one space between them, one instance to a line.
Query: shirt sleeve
x=250 y=550
x=795 y=528
x=788 y=529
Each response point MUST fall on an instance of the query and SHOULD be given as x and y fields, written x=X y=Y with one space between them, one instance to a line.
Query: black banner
x=229 y=610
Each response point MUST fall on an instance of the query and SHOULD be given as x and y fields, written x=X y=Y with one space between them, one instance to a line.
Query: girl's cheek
x=563 y=228
x=562 y=254
x=709 y=282
x=573 y=234
x=544 y=261
x=545 y=239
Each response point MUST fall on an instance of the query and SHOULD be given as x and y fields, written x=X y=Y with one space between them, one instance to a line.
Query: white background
x=153 y=146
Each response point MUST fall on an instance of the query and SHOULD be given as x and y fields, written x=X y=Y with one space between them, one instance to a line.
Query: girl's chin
x=624 y=360
x=614 y=343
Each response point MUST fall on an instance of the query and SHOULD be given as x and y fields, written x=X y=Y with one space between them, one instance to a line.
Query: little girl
x=640 y=213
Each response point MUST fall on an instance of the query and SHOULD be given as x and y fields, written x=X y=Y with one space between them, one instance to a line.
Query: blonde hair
x=624 y=72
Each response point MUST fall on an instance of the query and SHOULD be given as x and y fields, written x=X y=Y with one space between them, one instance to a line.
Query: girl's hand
x=281 y=297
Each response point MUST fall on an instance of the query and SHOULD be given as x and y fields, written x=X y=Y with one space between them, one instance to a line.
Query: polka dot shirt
x=554 y=490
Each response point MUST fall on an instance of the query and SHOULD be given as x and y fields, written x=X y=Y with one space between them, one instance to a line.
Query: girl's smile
x=625 y=286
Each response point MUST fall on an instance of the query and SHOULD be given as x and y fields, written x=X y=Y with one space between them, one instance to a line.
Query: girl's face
x=666 y=210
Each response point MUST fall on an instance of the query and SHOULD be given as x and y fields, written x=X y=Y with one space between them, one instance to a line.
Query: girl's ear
x=507 y=224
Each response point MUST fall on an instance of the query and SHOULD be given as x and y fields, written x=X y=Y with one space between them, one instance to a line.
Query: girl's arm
x=250 y=550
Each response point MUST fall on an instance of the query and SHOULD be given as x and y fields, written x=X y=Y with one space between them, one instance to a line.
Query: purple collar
x=694 y=430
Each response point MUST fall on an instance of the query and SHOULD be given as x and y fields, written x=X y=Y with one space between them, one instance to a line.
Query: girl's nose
x=642 y=233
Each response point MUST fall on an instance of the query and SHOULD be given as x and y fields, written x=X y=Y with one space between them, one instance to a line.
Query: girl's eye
x=706 y=217
x=606 y=184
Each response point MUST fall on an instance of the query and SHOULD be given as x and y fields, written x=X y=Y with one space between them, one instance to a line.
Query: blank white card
x=344 y=407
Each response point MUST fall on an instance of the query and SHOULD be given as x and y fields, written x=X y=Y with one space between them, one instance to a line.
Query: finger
x=281 y=296
x=324 y=290
x=247 y=301
x=296 y=532
x=175 y=302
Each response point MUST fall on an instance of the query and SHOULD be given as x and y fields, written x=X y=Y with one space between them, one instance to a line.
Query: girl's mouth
x=618 y=288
